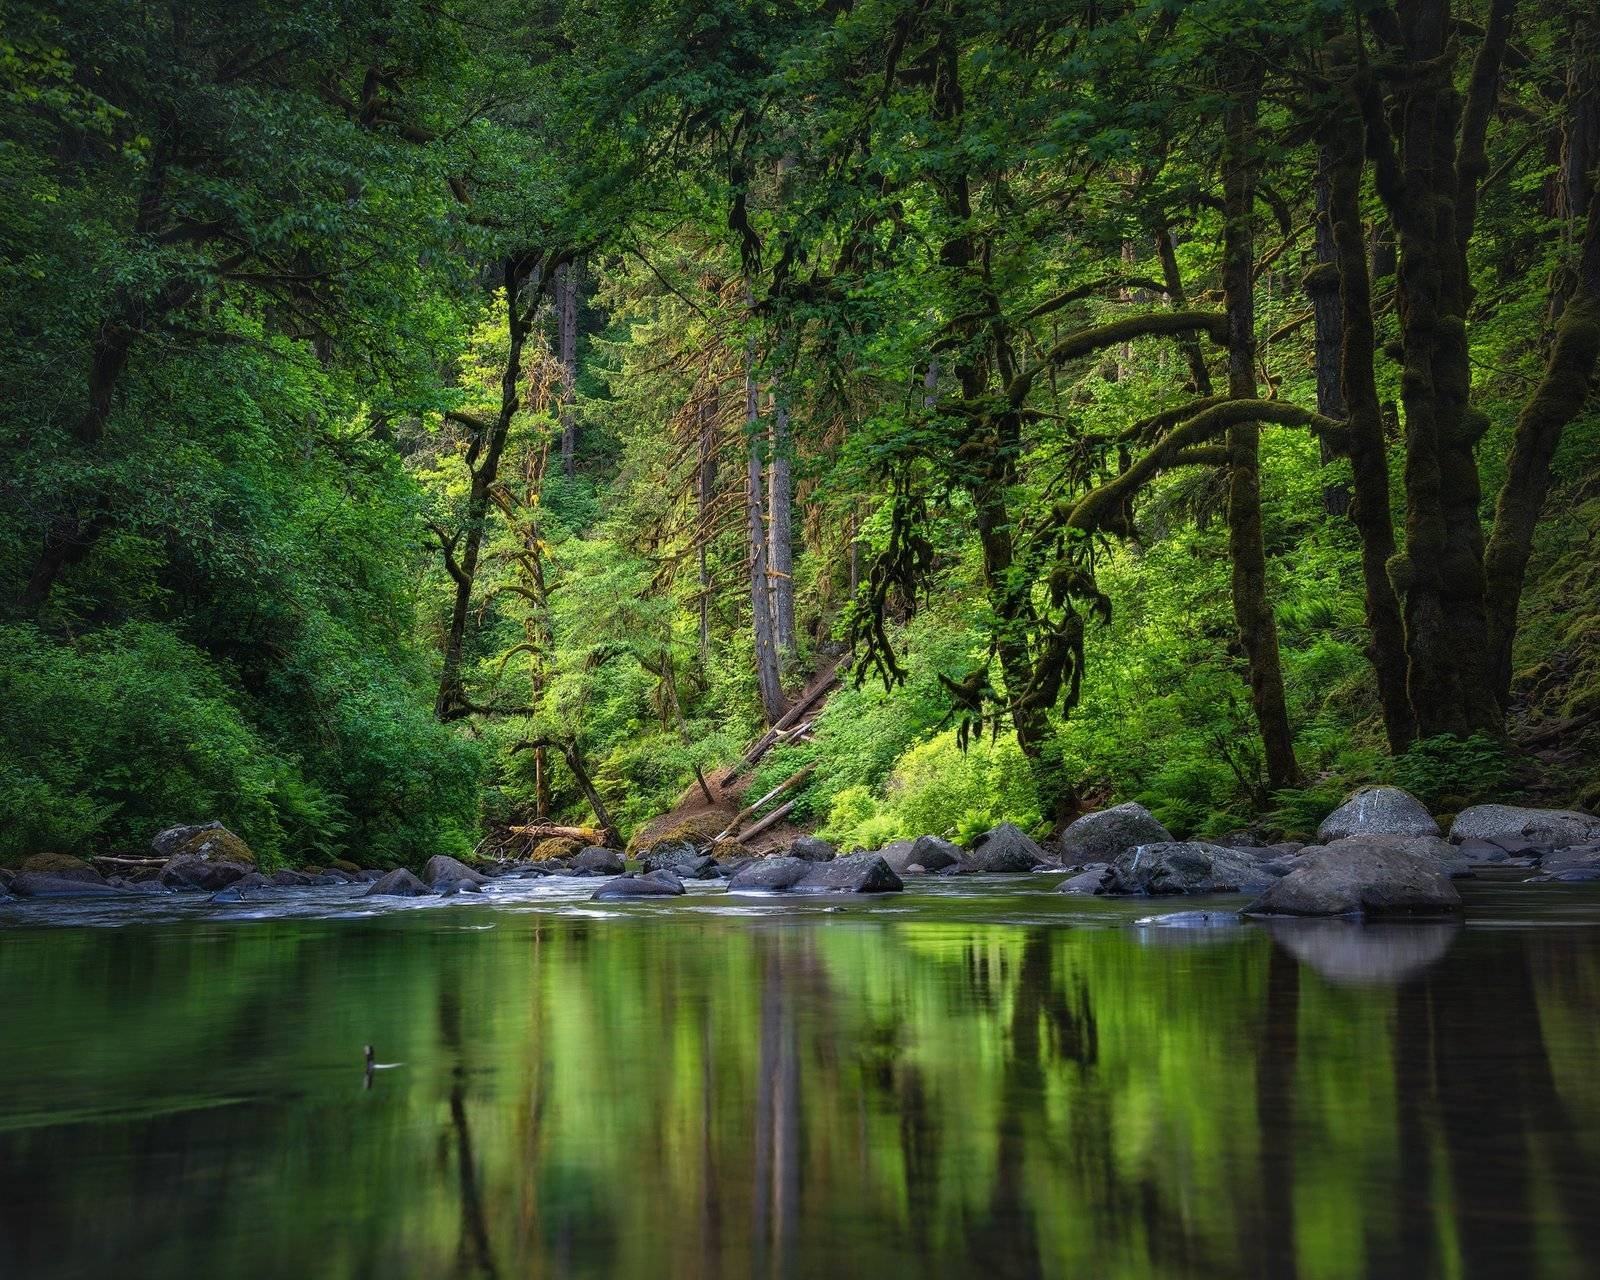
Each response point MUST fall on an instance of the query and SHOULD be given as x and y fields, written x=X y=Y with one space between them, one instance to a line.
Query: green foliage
x=1448 y=773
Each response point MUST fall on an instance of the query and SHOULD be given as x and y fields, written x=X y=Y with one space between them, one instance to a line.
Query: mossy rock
x=697 y=829
x=555 y=847
x=349 y=868
x=62 y=865
x=218 y=844
x=732 y=851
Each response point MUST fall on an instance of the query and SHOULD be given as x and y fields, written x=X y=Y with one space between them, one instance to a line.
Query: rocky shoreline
x=1381 y=855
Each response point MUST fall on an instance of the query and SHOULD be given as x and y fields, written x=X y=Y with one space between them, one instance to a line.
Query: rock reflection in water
x=847 y=1095
x=1353 y=953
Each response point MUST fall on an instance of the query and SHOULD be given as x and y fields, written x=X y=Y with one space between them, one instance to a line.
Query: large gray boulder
x=1571 y=857
x=1378 y=811
x=657 y=884
x=442 y=869
x=770 y=875
x=932 y=853
x=399 y=883
x=170 y=841
x=1360 y=879
x=1445 y=857
x=189 y=871
x=1108 y=833
x=812 y=849
x=36 y=884
x=1535 y=828
x=1185 y=866
x=1006 y=848
x=858 y=873
x=598 y=861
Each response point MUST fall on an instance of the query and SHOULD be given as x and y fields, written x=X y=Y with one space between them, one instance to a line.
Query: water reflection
x=1350 y=953
x=843 y=1097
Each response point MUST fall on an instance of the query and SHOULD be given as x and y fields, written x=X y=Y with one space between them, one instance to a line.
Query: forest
x=425 y=418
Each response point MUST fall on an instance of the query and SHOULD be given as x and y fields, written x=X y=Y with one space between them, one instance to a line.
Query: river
x=977 y=1077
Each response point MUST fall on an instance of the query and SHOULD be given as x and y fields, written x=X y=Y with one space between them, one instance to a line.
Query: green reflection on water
x=687 y=1094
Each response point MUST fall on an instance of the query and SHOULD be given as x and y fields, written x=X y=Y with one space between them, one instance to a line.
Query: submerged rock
x=231 y=894
x=858 y=873
x=449 y=888
x=34 y=884
x=1102 y=836
x=1566 y=875
x=442 y=868
x=1360 y=879
x=1192 y=919
x=399 y=883
x=1536 y=828
x=657 y=884
x=1184 y=866
x=812 y=849
x=1378 y=811
x=597 y=860
x=1007 y=848
x=1086 y=881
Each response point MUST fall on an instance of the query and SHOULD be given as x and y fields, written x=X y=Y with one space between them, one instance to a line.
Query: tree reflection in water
x=708 y=1096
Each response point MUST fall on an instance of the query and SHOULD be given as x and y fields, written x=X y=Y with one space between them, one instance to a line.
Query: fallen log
x=793 y=780
x=787 y=721
x=127 y=862
x=549 y=830
x=776 y=816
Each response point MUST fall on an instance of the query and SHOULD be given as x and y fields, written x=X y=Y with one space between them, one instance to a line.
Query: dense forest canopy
x=426 y=417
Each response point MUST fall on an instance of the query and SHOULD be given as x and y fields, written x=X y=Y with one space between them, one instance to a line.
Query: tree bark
x=1258 y=629
x=766 y=651
x=705 y=493
x=1369 y=457
x=1558 y=399
x=1580 y=150
x=483 y=464
x=567 y=336
x=780 y=533
x=1322 y=287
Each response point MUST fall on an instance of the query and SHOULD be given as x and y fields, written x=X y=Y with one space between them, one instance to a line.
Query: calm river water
x=975 y=1078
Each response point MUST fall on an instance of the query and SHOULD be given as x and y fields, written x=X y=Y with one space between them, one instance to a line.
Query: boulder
x=1444 y=856
x=1086 y=882
x=137 y=886
x=35 y=884
x=191 y=871
x=773 y=875
x=556 y=847
x=1572 y=856
x=1480 y=851
x=449 y=888
x=1378 y=811
x=657 y=884
x=1006 y=848
x=209 y=840
x=1241 y=840
x=933 y=853
x=1360 y=879
x=399 y=883
x=1108 y=833
x=858 y=873
x=292 y=879
x=1546 y=828
x=597 y=860
x=63 y=866
x=368 y=875
x=1184 y=866
x=442 y=868
x=681 y=860
x=812 y=849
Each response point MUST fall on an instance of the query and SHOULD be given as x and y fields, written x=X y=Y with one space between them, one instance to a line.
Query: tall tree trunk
x=1559 y=398
x=1322 y=286
x=567 y=327
x=1252 y=611
x=1369 y=457
x=780 y=533
x=1167 y=251
x=767 y=678
x=705 y=493
x=483 y=464
x=1579 y=150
